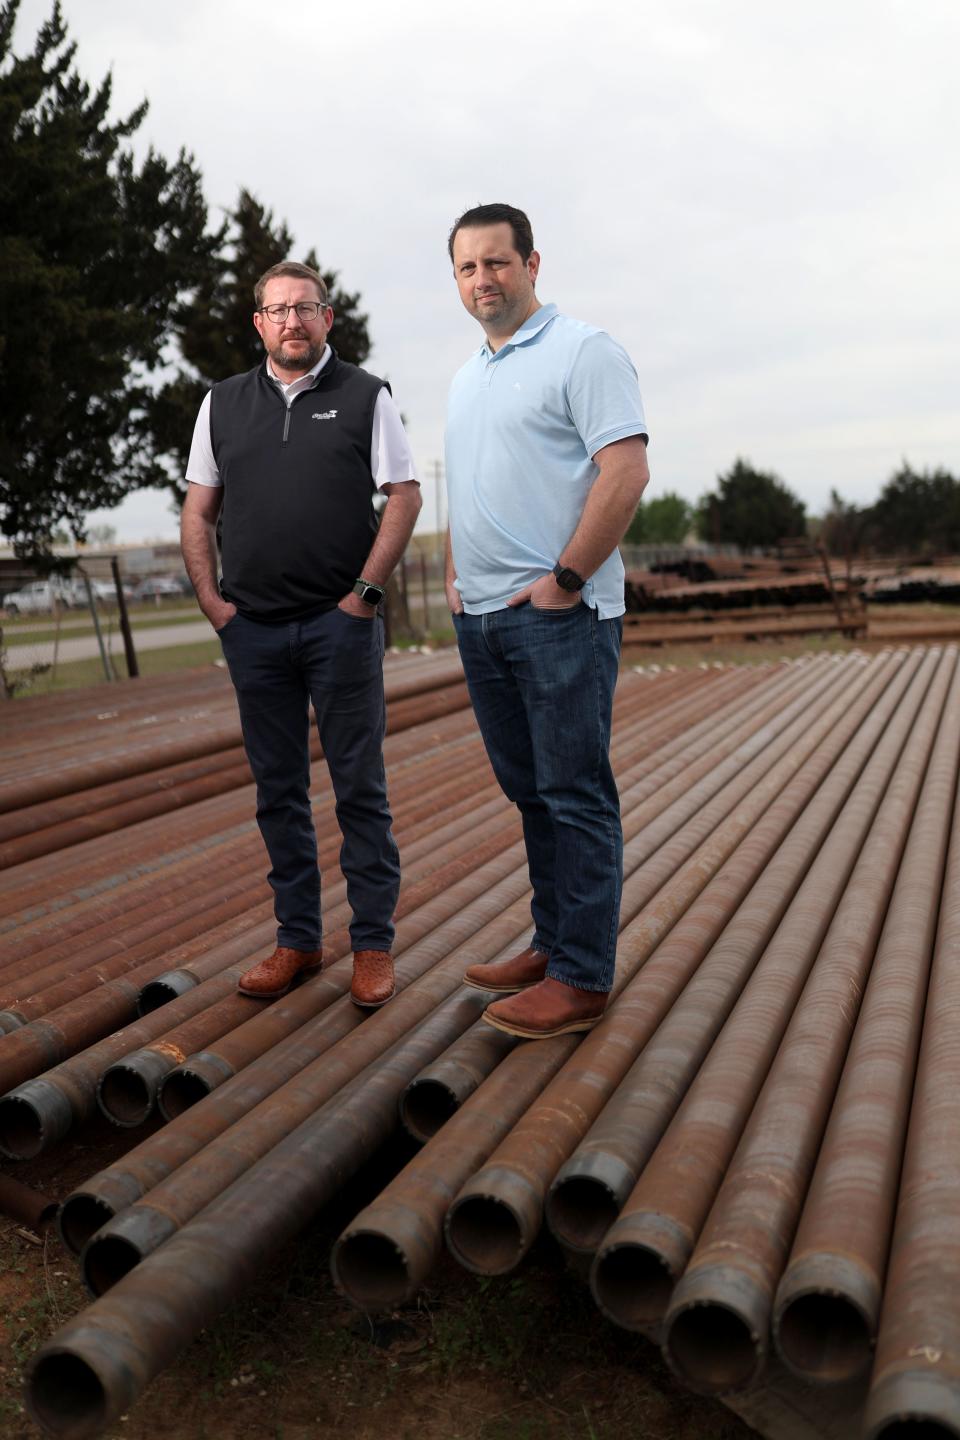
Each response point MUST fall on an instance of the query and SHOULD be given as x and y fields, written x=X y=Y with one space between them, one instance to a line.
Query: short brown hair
x=294 y=268
x=497 y=215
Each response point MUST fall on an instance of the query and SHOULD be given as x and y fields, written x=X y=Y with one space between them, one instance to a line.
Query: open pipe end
x=912 y=1405
x=80 y=1217
x=484 y=1235
x=824 y=1338
x=711 y=1348
x=371 y=1271
x=65 y=1396
x=105 y=1260
x=162 y=989
x=632 y=1285
x=32 y=1118
x=580 y=1210
x=125 y=1095
x=425 y=1107
x=191 y=1082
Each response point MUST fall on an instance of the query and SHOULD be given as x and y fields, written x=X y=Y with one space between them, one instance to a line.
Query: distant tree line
x=917 y=514
x=120 y=302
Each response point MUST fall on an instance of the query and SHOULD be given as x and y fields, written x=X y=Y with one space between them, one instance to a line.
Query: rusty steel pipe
x=94 y=1368
x=128 y=1088
x=243 y=843
x=915 y=1385
x=827 y=1304
x=453 y=1077
x=480 y=931
x=38 y=1113
x=473 y=1057
x=716 y=1330
x=591 y=1187
x=504 y=1200
x=411 y=706
x=437 y=1004
x=515 y=1083
x=26 y=1206
x=443 y=1086
x=647 y=1248
x=104 y=862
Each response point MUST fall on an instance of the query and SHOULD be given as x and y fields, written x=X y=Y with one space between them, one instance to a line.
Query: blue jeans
x=335 y=660
x=542 y=684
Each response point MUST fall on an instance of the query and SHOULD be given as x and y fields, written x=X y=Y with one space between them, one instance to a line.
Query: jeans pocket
x=557 y=609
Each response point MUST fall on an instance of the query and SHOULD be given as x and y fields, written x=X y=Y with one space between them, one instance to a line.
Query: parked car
x=45 y=595
x=160 y=587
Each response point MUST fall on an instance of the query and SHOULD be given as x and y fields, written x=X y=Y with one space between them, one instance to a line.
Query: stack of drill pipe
x=647 y=1249
x=592 y=1186
x=131 y=1081
x=658 y=803
x=386 y=1254
x=37 y=1045
x=915 y=1385
x=326 y=1134
x=828 y=1299
x=61 y=804
x=717 y=1326
x=446 y=1085
x=37 y=1113
x=152 y=846
x=54 y=825
x=128 y=1088
x=186 y=884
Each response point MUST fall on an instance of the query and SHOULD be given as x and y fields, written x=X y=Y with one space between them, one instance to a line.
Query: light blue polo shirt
x=522 y=427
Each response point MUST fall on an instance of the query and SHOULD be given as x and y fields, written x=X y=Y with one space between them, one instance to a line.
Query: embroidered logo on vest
x=324 y=415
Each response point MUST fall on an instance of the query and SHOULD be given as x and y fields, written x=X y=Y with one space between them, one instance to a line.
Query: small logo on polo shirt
x=324 y=415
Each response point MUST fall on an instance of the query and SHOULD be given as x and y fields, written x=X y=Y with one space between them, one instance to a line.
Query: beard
x=286 y=359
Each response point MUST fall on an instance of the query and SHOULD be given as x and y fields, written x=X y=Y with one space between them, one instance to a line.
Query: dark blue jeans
x=542 y=684
x=335 y=660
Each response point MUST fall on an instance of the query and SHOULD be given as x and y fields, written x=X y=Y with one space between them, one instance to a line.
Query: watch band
x=370 y=592
x=568 y=579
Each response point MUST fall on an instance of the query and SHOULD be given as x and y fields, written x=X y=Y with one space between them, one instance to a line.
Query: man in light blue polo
x=546 y=461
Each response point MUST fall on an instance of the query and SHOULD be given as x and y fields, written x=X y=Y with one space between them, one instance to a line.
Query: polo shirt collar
x=531 y=326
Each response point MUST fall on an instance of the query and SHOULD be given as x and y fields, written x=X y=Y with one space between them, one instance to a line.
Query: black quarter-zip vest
x=297 y=518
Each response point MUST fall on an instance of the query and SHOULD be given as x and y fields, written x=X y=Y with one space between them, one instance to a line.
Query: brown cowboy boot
x=550 y=1008
x=373 y=981
x=508 y=976
x=271 y=978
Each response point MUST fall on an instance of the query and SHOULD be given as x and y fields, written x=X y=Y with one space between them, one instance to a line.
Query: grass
x=80 y=673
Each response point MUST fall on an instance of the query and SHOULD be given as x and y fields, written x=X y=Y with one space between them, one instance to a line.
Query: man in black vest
x=290 y=456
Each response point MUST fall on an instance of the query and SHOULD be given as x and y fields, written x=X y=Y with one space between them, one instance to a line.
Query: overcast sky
x=759 y=200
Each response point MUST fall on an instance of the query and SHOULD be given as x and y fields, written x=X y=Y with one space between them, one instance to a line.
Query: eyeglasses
x=306 y=310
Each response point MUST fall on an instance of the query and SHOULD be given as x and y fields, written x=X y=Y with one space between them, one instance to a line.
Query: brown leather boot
x=508 y=976
x=273 y=977
x=373 y=982
x=550 y=1008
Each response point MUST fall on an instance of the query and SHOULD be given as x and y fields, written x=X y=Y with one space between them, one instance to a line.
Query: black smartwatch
x=568 y=579
x=369 y=593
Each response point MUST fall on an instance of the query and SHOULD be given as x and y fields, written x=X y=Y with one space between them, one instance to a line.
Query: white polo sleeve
x=391 y=460
x=202 y=467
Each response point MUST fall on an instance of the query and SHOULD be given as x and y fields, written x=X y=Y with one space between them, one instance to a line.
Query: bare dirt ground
x=528 y=1357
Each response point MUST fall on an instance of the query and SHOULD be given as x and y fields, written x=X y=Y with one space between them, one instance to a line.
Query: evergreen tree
x=750 y=508
x=215 y=332
x=664 y=520
x=96 y=254
x=918 y=513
